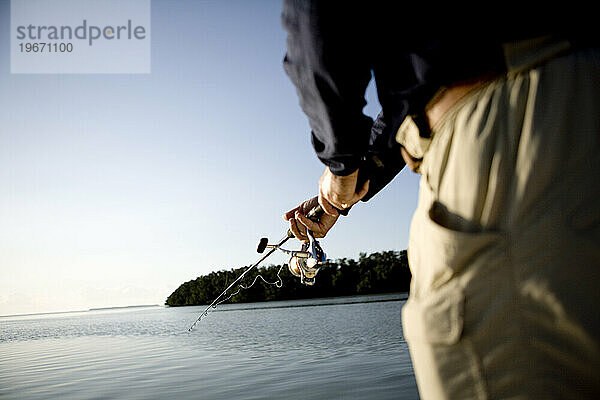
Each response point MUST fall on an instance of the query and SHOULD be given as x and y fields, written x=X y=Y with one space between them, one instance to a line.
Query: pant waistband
x=518 y=56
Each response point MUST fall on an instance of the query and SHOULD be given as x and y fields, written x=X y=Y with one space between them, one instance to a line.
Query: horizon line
x=80 y=311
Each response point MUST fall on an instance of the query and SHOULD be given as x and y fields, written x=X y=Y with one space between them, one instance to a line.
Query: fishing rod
x=304 y=263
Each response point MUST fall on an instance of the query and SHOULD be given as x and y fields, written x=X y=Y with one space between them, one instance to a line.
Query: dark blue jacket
x=335 y=48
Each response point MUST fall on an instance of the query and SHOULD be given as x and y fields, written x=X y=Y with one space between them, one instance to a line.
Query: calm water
x=344 y=348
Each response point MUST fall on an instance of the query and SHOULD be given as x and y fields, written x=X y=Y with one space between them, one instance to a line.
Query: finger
x=308 y=205
x=301 y=230
x=312 y=203
x=309 y=224
x=296 y=231
x=290 y=214
x=304 y=207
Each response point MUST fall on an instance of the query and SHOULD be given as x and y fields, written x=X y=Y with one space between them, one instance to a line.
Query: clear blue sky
x=115 y=189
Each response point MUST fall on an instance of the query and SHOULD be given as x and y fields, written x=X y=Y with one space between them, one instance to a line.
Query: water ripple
x=342 y=350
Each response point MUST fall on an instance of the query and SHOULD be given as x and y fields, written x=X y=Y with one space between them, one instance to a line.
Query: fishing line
x=278 y=283
x=304 y=264
x=219 y=299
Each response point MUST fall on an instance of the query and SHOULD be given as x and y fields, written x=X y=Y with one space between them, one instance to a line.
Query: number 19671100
x=46 y=47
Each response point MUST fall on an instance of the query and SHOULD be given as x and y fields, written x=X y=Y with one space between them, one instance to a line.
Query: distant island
x=123 y=307
x=380 y=272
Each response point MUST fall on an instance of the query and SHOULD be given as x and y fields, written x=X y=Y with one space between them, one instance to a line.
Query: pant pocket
x=449 y=265
x=437 y=253
x=445 y=363
x=437 y=318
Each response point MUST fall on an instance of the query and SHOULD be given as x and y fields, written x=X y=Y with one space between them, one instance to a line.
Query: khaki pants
x=505 y=242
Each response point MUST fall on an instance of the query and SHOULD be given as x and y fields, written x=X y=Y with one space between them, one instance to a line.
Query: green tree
x=378 y=272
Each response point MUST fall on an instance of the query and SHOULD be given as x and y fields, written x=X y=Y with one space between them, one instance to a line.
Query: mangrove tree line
x=381 y=272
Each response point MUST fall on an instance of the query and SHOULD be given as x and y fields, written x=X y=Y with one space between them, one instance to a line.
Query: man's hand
x=339 y=191
x=299 y=223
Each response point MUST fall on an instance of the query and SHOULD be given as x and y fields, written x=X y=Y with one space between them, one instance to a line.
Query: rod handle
x=315 y=215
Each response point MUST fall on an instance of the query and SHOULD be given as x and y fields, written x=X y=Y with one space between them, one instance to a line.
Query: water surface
x=343 y=348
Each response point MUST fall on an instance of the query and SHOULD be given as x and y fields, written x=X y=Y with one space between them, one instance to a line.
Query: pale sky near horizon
x=115 y=189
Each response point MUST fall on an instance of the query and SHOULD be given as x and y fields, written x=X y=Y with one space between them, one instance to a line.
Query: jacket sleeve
x=327 y=60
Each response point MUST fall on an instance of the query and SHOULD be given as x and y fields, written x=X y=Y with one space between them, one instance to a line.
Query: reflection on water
x=310 y=349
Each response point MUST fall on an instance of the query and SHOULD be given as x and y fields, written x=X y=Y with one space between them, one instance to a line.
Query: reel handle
x=262 y=245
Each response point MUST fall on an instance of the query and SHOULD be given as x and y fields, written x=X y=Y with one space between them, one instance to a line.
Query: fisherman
x=503 y=124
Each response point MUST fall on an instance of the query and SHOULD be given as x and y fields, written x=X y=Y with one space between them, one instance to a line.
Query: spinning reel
x=303 y=263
